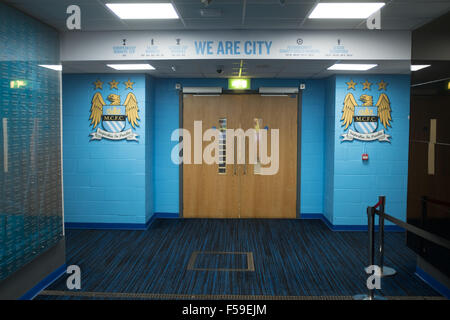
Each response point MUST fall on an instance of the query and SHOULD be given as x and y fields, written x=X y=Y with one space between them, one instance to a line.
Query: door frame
x=299 y=143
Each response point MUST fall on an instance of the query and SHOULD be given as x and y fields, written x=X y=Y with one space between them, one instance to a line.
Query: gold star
x=382 y=85
x=366 y=85
x=129 y=84
x=98 y=85
x=351 y=85
x=113 y=84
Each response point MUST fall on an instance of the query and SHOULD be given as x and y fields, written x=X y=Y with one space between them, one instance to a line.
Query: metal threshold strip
x=168 y=296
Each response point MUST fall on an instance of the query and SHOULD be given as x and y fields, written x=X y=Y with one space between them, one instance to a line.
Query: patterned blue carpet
x=181 y=257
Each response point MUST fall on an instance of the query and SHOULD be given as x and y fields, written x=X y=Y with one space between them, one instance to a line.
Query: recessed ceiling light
x=129 y=66
x=352 y=66
x=143 y=10
x=56 y=67
x=345 y=10
x=415 y=67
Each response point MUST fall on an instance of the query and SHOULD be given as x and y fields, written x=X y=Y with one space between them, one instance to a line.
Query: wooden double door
x=240 y=190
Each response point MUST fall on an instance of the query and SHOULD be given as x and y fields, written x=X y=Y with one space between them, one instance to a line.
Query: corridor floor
x=236 y=259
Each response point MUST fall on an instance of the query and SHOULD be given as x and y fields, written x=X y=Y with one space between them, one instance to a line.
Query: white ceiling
x=234 y=14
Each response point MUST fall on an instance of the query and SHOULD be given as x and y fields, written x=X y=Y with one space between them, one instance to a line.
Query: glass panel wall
x=30 y=148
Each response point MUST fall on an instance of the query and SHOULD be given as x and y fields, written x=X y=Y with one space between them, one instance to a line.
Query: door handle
x=245 y=160
x=235 y=155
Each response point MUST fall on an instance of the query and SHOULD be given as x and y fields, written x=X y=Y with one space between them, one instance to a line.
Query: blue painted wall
x=357 y=184
x=329 y=141
x=127 y=182
x=167 y=119
x=149 y=145
x=105 y=181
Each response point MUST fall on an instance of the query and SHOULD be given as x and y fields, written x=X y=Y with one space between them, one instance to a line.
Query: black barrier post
x=424 y=234
x=381 y=232
x=371 y=227
x=371 y=252
x=423 y=219
x=371 y=213
x=424 y=203
x=385 y=271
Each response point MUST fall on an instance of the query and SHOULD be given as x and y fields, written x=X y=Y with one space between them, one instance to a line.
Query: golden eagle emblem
x=383 y=109
x=131 y=108
x=113 y=117
x=365 y=117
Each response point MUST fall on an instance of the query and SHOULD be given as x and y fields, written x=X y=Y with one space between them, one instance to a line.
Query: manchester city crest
x=111 y=119
x=365 y=117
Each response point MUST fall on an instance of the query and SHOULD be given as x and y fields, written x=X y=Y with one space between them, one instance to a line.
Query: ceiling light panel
x=129 y=66
x=56 y=67
x=345 y=10
x=351 y=67
x=416 y=67
x=143 y=10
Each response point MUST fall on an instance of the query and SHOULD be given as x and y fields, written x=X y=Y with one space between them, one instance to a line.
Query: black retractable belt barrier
x=371 y=228
x=386 y=271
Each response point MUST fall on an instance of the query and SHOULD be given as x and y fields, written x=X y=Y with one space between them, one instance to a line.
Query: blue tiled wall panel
x=149 y=146
x=104 y=181
x=30 y=190
x=357 y=184
x=166 y=180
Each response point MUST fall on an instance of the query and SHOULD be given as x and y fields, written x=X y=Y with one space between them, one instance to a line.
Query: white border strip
x=200 y=90
x=5 y=145
x=277 y=90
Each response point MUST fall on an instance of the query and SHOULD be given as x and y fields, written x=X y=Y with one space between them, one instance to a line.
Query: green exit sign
x=17 y=84
x=239 y=84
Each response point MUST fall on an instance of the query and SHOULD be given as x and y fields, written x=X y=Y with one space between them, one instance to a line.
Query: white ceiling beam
x=364 y=21
x=113 y=15
x=244 y=9
x=302 y=22
x=178 y=12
